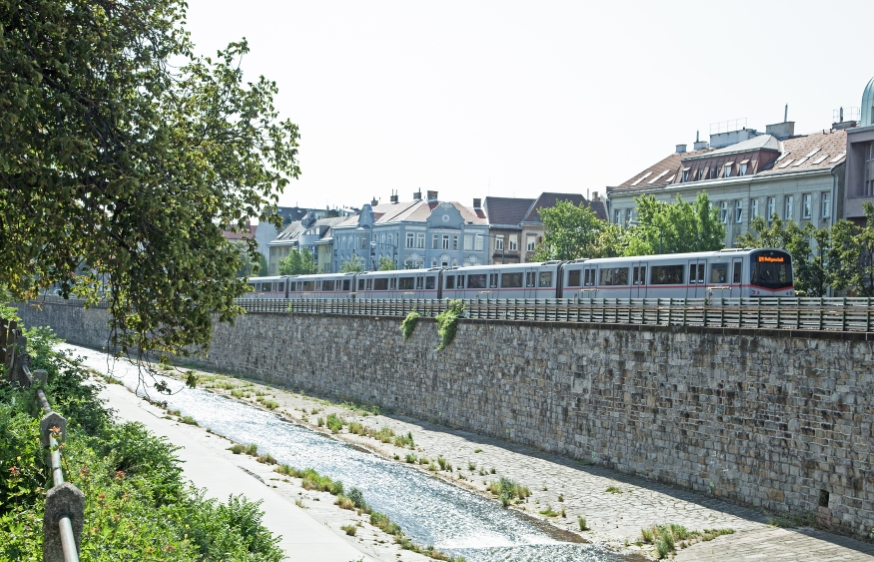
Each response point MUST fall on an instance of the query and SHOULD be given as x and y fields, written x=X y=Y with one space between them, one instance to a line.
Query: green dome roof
x=868 y=105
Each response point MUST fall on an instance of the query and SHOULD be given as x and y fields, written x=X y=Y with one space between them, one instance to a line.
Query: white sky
x=514 y=98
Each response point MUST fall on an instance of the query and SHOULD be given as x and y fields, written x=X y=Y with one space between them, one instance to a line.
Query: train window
x=700 y=273
x=667 y=275
x=430 y=282
x=346 y=283
x=380 y=284
x=719 y=273
x=736 y=272
x=361 y=284
x=511 y=280
x=529 y=279
x=307 y=286
x=590 y=274
x=317 y=285
x=493 y=280
x=420 y=282
x=476 y=281
x=614 y=276
x=406 y=283
x=450 y=281
x=292 y=286
x=545 y=279
x=573 y=278
x=461 y=281
x=638 y=275
x=328 y=285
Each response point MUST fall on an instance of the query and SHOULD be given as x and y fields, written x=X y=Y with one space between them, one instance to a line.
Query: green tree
x=353 y=265
x=570 y=232
x=852 y=255
x=810 y=250
x=249 y=268
x=386 y=264
x=678 y=227
x=298 y=262
x=121 y=149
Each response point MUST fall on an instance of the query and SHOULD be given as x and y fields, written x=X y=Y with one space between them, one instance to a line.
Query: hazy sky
x=515 y=98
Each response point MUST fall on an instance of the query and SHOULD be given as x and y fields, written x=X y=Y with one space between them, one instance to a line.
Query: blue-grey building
x=413 y=234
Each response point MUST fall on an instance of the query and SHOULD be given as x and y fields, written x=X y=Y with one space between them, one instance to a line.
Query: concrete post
x=41 y=376
x=48 y=421
x=63 y=500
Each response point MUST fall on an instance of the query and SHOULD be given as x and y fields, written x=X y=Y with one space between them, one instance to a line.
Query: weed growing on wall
x=447 y=322
x=408 y=326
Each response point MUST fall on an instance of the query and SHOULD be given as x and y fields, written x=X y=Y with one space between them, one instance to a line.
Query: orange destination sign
x=769 y=259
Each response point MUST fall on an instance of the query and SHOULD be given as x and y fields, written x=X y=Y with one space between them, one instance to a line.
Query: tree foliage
x=298 y=262
x=571 y=232
x=852 y=255
x=386 y=264
x=353 y=265
x=113 y=158
x=679 y=226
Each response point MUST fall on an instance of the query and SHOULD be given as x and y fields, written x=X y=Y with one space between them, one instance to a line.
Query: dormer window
x=742 y=168
x=726 y=170
x=700 y=174
x=686 y=174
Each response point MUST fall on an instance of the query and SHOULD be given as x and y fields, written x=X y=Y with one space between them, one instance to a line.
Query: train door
x=530 y=287
x=590 y=282
x=638 y=279
x=737 y=278
x=492 y=291
x=696 y=287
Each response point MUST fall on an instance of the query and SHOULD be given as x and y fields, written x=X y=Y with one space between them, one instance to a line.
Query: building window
x=685 y=174
x=514 y=242
x=363 y=241
x=433 y=264
x=742 y=169
x=701 y=174
x=790 y=202
x=754 y=208
x=455 y=242
x=723 y=211
x=499 y=243
x=629 y=215
x=420 y=240
x=772 y=208
x=617 y=216
x=806 y=204
x=411 y=239
x=445 y=241
x=738 y=211
x=478 y=243
x=468 y=242
x=726 y=173
x=435 y=242
x=532 y=242
x=826 y=203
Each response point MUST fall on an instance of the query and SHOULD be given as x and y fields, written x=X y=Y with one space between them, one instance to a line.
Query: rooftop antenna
x=786 y=113
x=697 y=135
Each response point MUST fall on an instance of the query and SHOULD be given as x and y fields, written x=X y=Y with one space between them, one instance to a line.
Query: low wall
x=763 y=418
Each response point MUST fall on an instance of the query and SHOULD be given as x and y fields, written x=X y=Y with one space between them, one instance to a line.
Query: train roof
x=724 y=253
x=266 y=279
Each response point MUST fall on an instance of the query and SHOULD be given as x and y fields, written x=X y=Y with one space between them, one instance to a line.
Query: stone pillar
x=68 y=500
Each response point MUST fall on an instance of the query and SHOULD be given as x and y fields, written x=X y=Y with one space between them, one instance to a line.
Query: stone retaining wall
x=773 y=419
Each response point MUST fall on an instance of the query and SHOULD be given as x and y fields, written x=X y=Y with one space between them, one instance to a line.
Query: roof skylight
x=820 y=159
x=838 y=157
x=800 y=162
x=641 y=178
x=786 y=163
x=812 y=152
x=782 y=156
x=655 y=179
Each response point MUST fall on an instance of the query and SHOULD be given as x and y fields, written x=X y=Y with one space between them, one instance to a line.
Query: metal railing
x=783 y=313
x=65 y=503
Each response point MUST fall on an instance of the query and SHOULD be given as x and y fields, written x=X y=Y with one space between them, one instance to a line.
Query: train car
x=399 y=284
x=322 y=286
x=268 y=287
x=729 y=273
x=534 y=280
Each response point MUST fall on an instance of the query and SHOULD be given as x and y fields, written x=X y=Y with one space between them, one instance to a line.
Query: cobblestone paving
x=581 y=490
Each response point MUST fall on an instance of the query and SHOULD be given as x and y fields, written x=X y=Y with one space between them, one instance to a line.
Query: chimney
x=595 y=196
x=432 y=196
x=417 y=195
x=681 y=148
x=782 y=130
x=699 y=144
x=477 y=204
x=374 y=202
x=394 y=197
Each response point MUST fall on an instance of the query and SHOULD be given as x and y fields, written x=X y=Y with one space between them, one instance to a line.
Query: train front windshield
x=772 y=269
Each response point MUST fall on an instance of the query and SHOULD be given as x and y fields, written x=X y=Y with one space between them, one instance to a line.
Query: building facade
x=860 y=160
x=778 y=173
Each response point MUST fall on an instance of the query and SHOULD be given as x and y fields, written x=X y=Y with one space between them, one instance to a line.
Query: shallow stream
x=429 y=510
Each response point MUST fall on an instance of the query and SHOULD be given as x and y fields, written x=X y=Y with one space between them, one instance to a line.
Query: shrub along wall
x=780 y=420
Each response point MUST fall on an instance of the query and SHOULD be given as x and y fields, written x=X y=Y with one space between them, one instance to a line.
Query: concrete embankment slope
x=774 y=419
x=303 y=538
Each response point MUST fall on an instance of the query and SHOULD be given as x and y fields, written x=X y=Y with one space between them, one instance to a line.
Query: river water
x=429 y=510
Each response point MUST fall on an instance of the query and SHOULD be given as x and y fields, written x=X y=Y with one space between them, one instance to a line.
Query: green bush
x=408 y=326
x=447 y=322
x=136 y=504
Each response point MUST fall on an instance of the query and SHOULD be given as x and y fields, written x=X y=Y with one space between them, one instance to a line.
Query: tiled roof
x=665 y=168
x=507 y=210
x=247 y=233
x=759 y=142
x=547 y=199
x=822 y=150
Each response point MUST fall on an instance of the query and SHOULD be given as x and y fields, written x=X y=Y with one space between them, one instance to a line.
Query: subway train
x=729 y=273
